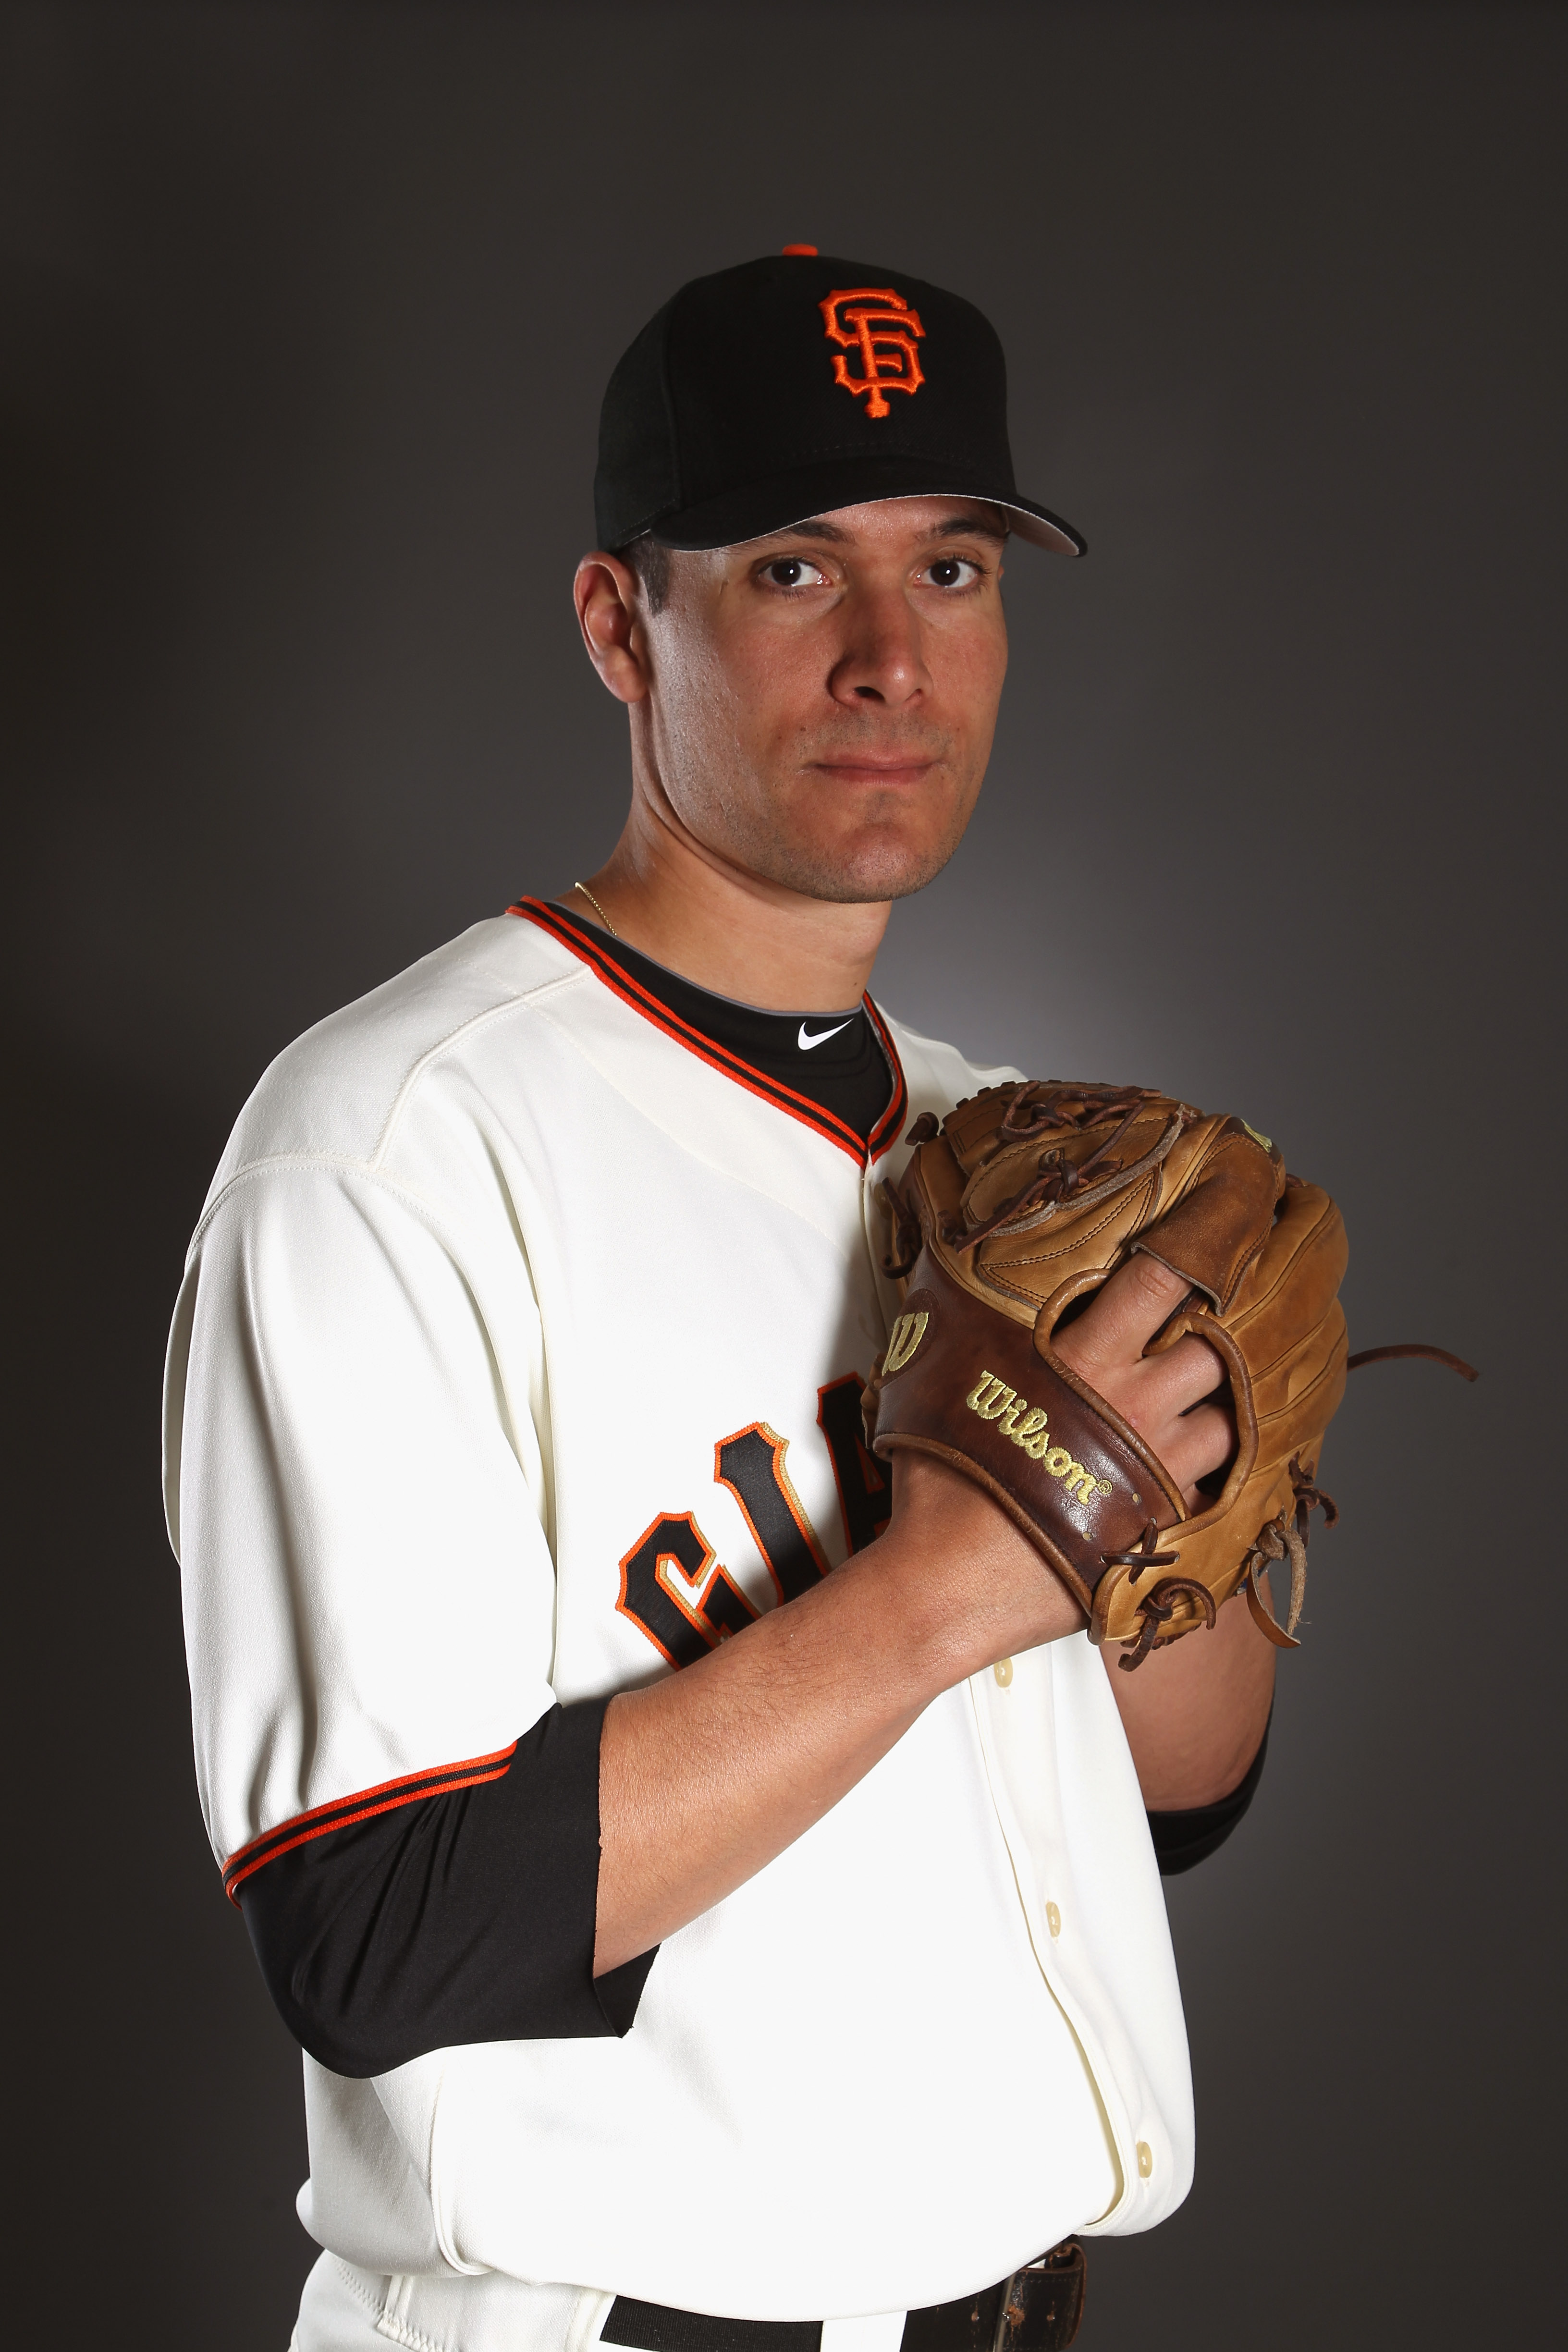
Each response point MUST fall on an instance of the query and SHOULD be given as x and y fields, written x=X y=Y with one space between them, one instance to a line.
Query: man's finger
x=1126 y=1314
x=1197 y=1444
x=1169 y=1384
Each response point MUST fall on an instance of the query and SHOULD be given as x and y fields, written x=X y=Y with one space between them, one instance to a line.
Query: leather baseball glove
x=1023 y=1202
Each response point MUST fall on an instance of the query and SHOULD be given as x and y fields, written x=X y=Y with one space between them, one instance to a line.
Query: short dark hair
x=648 y=559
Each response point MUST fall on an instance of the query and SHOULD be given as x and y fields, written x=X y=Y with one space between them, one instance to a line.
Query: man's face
x=823 y=701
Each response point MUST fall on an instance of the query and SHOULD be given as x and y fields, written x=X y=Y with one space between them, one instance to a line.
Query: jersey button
x=1003 y=1670
x=1053 y=1919
x=1145 y=2160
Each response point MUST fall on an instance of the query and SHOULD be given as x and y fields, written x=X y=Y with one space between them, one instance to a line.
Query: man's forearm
x=706 y=1776
x=1195 y=1713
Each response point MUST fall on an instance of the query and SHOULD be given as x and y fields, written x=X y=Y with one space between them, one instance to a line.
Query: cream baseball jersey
x=517 y=1363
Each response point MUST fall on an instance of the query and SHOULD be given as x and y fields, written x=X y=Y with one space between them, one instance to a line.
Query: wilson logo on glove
x=1025 y=1423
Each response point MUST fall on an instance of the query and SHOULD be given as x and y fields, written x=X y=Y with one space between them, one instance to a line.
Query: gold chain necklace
x=597 y=909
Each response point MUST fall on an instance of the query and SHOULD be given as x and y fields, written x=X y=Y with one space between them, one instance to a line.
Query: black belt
x=1036 y=2310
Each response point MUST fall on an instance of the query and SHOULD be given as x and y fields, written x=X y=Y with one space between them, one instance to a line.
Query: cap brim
x=763 y=508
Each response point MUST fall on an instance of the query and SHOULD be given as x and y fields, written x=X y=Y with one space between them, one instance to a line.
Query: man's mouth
x=869 y=768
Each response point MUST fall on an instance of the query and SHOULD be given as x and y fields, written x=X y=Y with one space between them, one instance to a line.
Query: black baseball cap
x=789 y=386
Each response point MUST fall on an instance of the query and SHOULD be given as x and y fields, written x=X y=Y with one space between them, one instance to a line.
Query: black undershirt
x=469 y=1916
x=844 y=1071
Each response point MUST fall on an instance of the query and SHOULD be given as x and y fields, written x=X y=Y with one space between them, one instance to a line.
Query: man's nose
x=883 y=659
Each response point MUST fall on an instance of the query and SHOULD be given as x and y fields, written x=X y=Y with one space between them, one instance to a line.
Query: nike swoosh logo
x=821 y=1038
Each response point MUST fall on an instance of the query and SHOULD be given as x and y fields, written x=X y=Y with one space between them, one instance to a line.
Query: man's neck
x=730 y=931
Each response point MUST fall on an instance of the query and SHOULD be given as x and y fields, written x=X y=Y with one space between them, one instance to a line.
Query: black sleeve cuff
x=618 y=1992
x=462 y=1917
x=1184 y=1840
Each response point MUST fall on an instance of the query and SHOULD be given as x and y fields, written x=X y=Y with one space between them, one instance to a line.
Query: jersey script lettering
x=685 y=1600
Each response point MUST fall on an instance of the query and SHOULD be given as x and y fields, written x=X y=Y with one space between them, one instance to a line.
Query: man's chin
x=861 y=873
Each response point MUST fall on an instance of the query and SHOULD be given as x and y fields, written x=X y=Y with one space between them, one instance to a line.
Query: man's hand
x=1195 y=1713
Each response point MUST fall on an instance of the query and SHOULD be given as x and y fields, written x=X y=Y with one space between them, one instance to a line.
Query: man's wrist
x=963 y=1586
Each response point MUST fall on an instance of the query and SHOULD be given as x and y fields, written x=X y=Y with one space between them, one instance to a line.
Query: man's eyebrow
x=981 y=525
x=813 y=528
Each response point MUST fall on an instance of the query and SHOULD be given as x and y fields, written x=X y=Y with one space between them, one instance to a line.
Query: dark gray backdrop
x=306 y=315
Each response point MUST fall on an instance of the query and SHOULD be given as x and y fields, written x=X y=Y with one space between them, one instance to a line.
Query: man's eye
x=952 y=572
x=793 y=572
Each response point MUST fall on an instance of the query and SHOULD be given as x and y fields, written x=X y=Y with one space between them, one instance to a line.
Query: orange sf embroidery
x=882 y=328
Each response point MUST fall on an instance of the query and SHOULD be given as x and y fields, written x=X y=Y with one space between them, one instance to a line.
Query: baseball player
x=708 y=1867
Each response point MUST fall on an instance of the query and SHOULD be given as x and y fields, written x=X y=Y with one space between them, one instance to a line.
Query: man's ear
x=605 y=594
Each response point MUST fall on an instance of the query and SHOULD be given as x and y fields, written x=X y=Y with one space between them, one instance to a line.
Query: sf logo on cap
x=878 y=325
